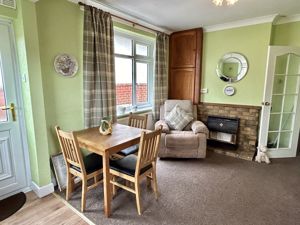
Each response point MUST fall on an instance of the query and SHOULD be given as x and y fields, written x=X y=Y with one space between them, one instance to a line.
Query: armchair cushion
x=177 y=119
x=181 y=139
x=165 y=127
x=199 y=127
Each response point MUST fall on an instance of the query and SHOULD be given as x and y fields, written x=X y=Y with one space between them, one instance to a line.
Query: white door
x=12 y=163
x=280 y=121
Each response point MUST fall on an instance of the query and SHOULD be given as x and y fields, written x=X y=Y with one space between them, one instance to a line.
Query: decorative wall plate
x=66 y=65
x=229 y=90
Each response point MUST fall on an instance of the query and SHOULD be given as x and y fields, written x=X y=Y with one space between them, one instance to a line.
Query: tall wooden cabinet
x=185 y=64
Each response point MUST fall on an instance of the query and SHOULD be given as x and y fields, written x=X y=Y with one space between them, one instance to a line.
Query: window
x=134 y=71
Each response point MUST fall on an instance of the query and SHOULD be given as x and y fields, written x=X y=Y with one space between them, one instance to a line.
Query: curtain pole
x=121 y=18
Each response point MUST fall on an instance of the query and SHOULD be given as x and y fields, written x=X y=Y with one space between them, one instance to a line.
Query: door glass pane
x=281 y=62
x=3 y=113
x=294 y=65
x=285 y=139
x=272 y=140
x=123 y=45
x=123 y=69
x=141 y=82
x=141 y=49
x=274 y=122
x=278 y=85
x=284 y=101
x=287 y=121
x=289 y=103
x=276 y=103
x=292 y=85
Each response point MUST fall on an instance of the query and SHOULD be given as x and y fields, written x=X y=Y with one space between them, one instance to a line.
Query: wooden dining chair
x=86 y=168
x=138 y=121
x=134 y=168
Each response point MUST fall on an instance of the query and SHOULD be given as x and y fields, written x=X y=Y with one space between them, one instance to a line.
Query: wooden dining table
x=105 y=145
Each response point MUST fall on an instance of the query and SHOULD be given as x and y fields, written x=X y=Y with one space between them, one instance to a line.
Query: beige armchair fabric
x=189 y=143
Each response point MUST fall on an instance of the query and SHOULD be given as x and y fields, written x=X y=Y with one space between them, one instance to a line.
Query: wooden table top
x=122 y=137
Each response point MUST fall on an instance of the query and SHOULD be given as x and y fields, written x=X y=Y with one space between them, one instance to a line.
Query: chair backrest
x=148 y=149
x=186 y=105
x=70 y=149
x=138 y=121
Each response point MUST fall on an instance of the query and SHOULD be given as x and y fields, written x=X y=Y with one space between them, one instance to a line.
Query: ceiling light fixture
x=220 y=2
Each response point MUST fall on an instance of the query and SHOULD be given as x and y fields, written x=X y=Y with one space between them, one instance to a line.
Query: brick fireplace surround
x=248 y=127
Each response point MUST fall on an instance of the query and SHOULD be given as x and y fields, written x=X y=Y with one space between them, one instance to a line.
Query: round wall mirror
x=232 y=67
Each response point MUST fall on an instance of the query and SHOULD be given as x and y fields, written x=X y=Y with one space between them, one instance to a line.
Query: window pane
x=3 y=115
x=285 y=139
x=123 y=69
x=141 y=50
x=141 y=82
x=123 y=45
x=276 y=103
x=278 y=85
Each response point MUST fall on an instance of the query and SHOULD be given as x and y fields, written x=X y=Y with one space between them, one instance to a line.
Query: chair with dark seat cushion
x=127 y=165
x=133 y=168
x=138 y=121
x=92 y=162
x=88 y=167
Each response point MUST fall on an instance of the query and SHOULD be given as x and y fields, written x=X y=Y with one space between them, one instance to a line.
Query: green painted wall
x=25 y=27
x=60 y=32
x=22 y=56
x=252 y=42
x=8 y=12
x=286 y=34
x=33 y=95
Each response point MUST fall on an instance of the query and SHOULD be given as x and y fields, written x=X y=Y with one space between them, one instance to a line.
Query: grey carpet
x=214 y=191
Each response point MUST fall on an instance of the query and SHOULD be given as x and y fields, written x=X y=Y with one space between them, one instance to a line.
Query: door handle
x=12 y=108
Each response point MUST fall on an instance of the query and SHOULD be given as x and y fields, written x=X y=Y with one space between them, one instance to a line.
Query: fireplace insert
x=223 y=129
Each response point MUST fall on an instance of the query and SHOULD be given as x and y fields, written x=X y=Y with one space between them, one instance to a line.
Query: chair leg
x=154 y=183
x=83 y=198
x=69 y=186
x=137 y=196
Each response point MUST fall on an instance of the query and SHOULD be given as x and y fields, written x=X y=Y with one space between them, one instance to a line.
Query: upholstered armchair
x=187 y=143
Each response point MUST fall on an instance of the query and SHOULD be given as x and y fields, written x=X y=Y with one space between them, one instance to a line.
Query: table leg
x=106 y=185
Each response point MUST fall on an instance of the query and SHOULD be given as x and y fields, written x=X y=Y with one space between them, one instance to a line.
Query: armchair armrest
x=199 y=127
x=165 y=127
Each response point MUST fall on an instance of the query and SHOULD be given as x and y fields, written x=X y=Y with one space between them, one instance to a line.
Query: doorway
x=14 y=173
x=280 y=122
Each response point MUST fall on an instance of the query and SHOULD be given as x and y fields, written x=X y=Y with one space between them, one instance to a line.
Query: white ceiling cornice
x=241 y=23
x=288 y=19
x=121 y=14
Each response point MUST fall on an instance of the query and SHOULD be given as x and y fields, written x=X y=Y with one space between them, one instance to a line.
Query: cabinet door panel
x=182 y=83
x=183 y=49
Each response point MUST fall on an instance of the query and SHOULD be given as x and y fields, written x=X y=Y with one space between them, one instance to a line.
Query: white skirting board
x=42 y=191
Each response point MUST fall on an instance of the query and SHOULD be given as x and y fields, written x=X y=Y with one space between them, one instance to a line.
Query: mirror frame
x=243 y=71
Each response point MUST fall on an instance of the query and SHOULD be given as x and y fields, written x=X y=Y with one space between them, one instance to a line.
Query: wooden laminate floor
x=48 y=210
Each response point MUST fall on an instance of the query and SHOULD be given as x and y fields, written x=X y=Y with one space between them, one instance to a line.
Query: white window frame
x=149 y=42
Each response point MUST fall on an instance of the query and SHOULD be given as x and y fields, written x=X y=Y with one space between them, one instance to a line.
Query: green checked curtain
x=98 y=67
x=161 y=72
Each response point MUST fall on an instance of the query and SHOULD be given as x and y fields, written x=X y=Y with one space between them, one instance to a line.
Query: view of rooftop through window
x=133 y=67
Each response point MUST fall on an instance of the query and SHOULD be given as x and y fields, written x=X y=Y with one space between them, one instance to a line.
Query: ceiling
x=177 y=15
